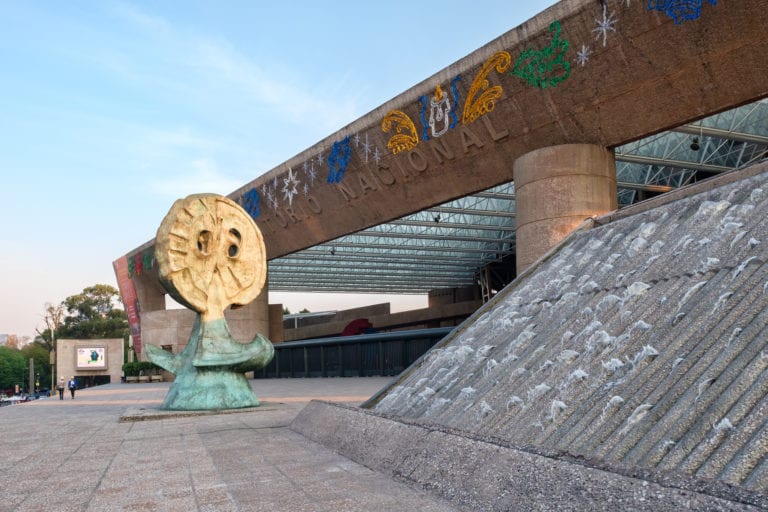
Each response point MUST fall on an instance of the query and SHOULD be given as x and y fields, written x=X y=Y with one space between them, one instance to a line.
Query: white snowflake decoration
x=583 y=55
x=366 y=148
x=376 y=155
x=270 y=198
x=290 y=187
x=312 y=173
x=604 y=26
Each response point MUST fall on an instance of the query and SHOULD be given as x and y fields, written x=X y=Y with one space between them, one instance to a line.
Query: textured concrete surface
x=638 y=343
x=484 y=473
x=639 y=82
x=76 y=455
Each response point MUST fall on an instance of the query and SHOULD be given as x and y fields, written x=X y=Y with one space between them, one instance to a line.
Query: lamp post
x=53 y=360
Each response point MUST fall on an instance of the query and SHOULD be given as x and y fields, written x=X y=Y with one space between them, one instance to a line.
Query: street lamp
x=53 y=358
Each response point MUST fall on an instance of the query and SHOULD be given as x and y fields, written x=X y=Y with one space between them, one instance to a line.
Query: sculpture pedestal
x=209 y=372
x=209 y=390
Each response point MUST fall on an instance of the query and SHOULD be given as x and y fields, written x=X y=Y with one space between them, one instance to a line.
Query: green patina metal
x=209 y=371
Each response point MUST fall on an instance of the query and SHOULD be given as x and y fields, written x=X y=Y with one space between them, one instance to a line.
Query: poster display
x=91 y=358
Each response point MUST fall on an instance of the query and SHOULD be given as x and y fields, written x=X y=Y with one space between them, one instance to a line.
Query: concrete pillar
x=556 y=189
x=276 y=331
x=149 y=291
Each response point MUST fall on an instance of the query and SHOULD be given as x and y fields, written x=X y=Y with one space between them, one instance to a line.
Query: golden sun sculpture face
x=210 y=254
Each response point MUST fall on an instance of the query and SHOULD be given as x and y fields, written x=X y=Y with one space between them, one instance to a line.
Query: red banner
x=130 y=300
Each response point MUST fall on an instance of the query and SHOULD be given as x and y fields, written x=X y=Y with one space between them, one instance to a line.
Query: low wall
x=486 y=474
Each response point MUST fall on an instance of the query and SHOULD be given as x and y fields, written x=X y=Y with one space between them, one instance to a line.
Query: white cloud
x=200 y=176
x=207 y=69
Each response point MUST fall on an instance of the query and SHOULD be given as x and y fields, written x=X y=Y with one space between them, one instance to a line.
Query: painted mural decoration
x=442 y=111
x=138 y=263
x=547 y=67
x=406 y=137
x=250 y=202
x=679 y=10
x=604 y=25
x=482 y=97
x=338 y=160
x=290 y=187
x=543 y=67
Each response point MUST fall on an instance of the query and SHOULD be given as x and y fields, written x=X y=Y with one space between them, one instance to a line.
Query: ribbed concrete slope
x=640 y=342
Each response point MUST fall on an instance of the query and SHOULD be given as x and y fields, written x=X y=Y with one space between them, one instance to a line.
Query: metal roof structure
x=453 y=244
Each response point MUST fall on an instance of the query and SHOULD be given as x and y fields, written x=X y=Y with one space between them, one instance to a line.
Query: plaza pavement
x=111 y=449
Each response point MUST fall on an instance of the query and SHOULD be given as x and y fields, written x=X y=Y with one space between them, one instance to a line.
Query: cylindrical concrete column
x=557 y=188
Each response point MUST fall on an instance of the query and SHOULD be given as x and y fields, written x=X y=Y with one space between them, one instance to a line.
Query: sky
x=112 y=110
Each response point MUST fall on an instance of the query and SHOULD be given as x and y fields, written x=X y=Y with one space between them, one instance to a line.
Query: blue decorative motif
x=250 y=203
x=338 y=160
x=423 y=115
x=679 y=10
x=455 y=92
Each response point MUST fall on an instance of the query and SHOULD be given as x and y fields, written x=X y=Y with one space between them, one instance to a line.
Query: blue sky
x=111 y=110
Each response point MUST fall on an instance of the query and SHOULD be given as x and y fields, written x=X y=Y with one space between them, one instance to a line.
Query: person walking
x=72 y=385
x=60 y=388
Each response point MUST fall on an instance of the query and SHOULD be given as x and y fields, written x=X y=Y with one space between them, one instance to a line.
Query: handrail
x=367 y=338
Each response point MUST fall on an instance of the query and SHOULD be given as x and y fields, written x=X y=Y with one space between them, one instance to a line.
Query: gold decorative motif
x=486 y=101
x=438 y=93
x=406 y=137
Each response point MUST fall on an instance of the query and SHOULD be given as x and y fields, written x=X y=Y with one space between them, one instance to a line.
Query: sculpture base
x=209 y=390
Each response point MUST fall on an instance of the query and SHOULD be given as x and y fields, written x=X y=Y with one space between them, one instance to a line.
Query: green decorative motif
x=547 y=67
x=147 y=259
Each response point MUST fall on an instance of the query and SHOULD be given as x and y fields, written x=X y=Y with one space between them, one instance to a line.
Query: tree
x=93 y=314
x=53 y=318
x=15 y=342
x=13 y=368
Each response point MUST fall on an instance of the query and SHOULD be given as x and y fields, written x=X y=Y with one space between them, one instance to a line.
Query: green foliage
x=137 y=368
x=13 y=368
x=40 y=355
x=93 y=314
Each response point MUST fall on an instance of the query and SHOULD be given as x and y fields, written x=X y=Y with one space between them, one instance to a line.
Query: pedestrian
x=60 y=387
x=72 y=385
